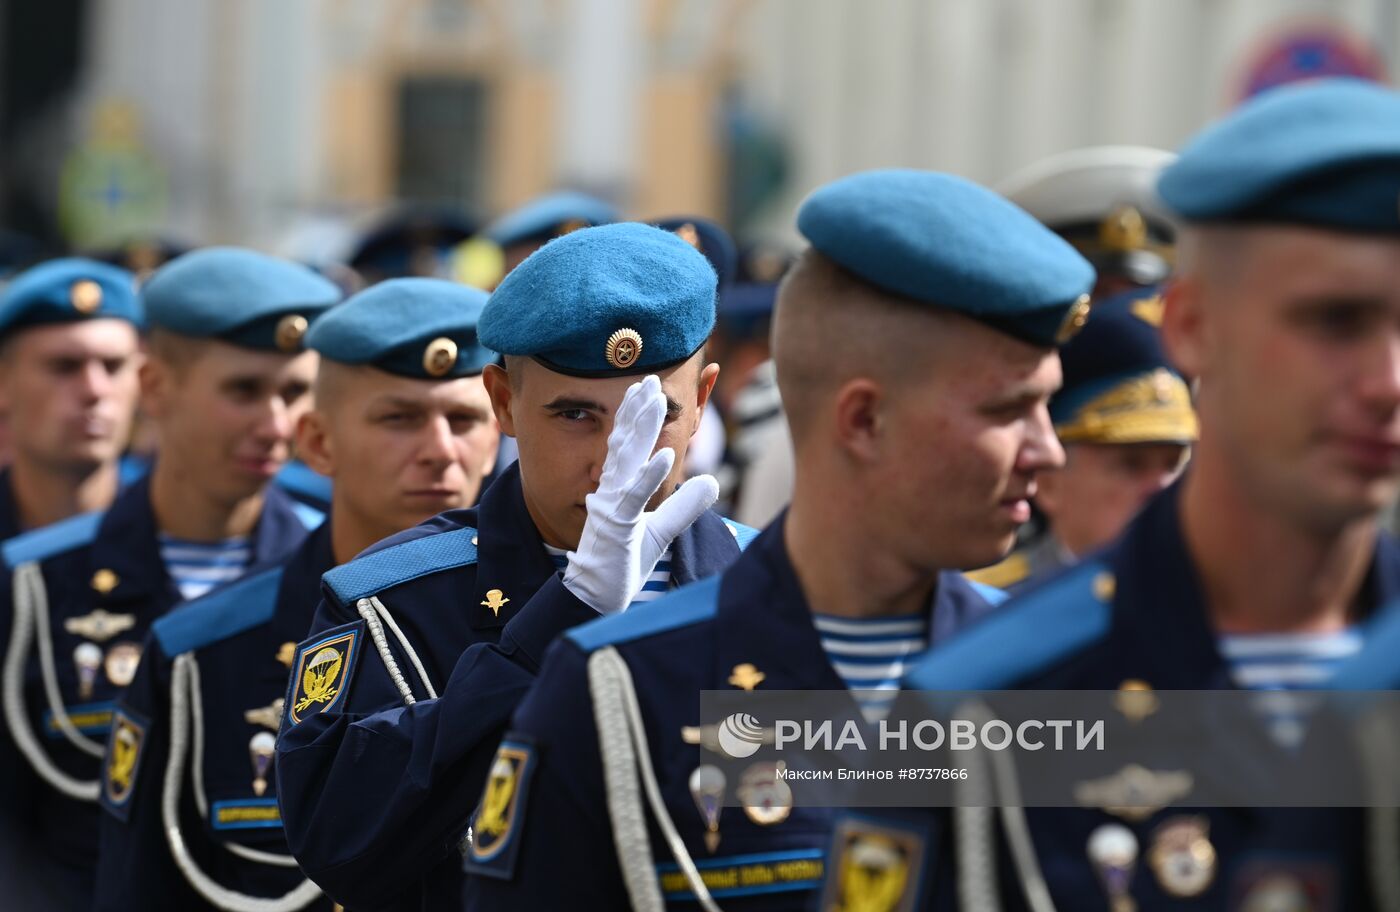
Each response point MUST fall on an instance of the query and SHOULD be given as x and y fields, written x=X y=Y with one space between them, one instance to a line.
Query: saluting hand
x=622 y=540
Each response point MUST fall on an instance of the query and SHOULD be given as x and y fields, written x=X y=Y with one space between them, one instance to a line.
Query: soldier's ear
x=859 y=419
x=502 y=393
x=1183 y=325
x=158 y=383
x=708 y=375
x=314 y=445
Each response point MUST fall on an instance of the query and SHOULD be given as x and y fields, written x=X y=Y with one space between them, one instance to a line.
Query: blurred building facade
x=256 y=121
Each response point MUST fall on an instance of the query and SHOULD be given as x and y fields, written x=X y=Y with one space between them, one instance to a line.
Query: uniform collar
x=510 y=552
x=127 y=543
x=300 y=589
x=1159 y=603
x=763 y=618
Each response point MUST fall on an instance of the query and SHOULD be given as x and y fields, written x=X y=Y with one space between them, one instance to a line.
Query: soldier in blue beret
x=915 y=369
x=1264 y=567
x=1125 y=419
x=413 y=241
x=396 y=705
x=69 y=353
x=225 y=381
x=403 y=423
x=522 y=231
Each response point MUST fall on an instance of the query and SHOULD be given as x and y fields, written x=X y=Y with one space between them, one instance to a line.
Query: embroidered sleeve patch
x=125 y=748
x=495 y=834
x=875 y=864
x=321 y=671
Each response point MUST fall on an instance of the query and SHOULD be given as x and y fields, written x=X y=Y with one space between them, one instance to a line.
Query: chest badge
x=495 y=600
x=269 y=716
x=746 y=676
x=99 y=626
x=260 y=751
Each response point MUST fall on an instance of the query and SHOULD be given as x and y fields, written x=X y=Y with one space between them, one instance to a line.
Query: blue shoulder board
x=225 y=612
x=1028 y=635
x=687 y=605
x=56 y=538
x=378 y=570
x=742 y=534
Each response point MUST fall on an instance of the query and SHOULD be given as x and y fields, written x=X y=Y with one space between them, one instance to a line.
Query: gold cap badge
x=1124 y=230
x=624 y=348
x=1074 y=320
x=440 y=357
x=290 y=329
x=85 y=296
x=689 y=234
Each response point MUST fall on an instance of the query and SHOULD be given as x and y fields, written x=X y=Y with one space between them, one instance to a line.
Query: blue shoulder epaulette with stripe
x=1028 y=635
x=687 y=605
x=56 y=538
x=229 y=610
x=379 y=570
x=742 y=534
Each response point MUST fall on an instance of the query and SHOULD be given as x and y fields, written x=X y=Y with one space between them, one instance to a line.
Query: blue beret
x=1119 y=386
x=940 y=240
x=609 y=301
x=399 y=244
x=1323 y=153
x=422 y=328
x=66 y=290
x=711 y=240
x=550 y=216
x=237 y=296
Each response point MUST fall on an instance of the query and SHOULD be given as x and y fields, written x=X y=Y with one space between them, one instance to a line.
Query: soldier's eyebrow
x=566 y=404
x=398 y=402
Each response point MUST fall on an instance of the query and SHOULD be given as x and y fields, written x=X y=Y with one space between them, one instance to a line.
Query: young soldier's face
x=968 y=441
x=70 y=391
x=561 y=425
x=399 y=449
x=1296 y=341
x=226 y=414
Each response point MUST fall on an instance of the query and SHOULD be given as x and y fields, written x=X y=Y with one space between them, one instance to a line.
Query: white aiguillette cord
x=31 y=614
x=626 y=756
x=183 y=695
x=975 y=836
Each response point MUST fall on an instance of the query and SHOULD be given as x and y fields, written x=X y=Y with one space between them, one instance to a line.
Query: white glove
x=621 y=542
